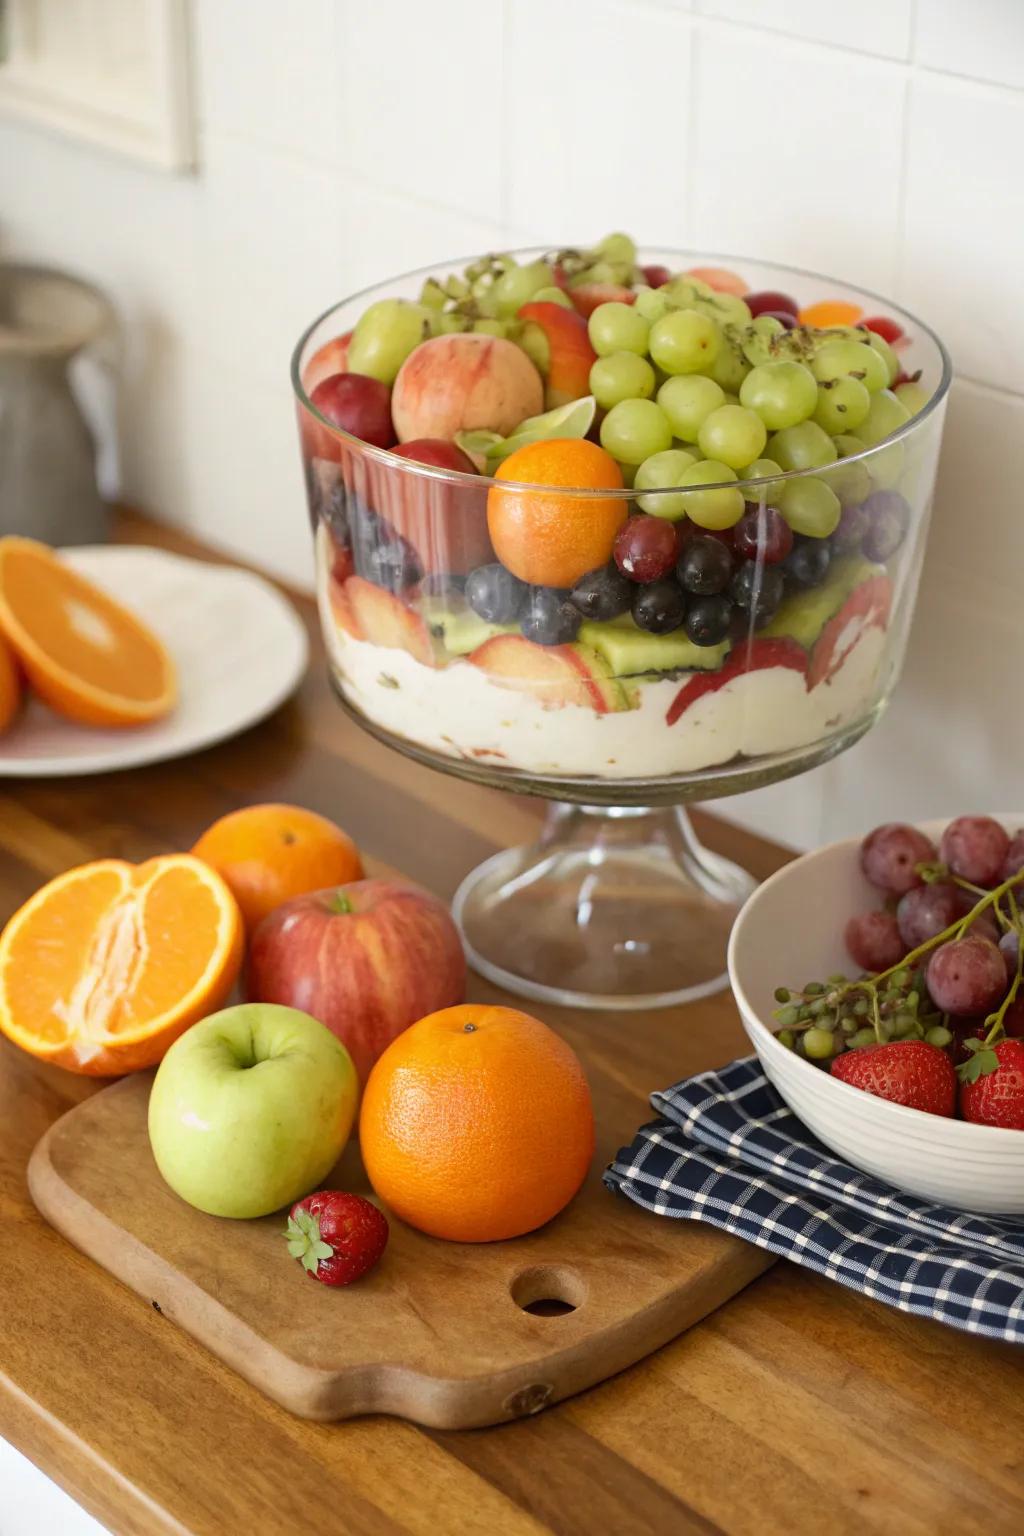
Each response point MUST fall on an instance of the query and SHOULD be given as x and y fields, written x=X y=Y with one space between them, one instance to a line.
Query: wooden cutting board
x=449 y=1335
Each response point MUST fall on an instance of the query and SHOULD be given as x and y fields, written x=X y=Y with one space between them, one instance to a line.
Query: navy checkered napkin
x=727 y=1150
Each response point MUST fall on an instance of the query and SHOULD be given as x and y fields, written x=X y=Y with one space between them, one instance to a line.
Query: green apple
x=250 y=1109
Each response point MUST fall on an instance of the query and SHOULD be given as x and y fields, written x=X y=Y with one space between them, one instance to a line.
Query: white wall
x=339 y=140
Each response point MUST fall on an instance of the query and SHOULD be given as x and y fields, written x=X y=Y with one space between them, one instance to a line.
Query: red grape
x=785 y=319
x=767 y=301
x=655 y=275
x=975 y=848
x=645 y=548
x=884 y=327
x=967 y=976
x=925 y=911
x=1014 y=861
x=874 y=942
x=357 y=404
x=763 y=532
x=1008 y=946
x=1013 y=1018
x=889 y=857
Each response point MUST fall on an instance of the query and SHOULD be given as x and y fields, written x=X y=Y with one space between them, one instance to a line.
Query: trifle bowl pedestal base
x=612 y=908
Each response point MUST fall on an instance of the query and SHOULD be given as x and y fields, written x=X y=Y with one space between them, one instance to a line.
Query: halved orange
x=84 y=655
x=10 y=685
x=104 y=967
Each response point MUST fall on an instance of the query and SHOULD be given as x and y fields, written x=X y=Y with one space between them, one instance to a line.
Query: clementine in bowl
x=82 y=652
x=552 y=538
x=10 y=686
x=105 y=966
x=477 y=1124
x=269 y=854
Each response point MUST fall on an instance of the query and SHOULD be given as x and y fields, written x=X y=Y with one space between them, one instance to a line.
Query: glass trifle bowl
x=624 y=531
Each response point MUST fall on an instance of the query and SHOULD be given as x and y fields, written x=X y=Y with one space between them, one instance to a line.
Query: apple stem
x=341 y=903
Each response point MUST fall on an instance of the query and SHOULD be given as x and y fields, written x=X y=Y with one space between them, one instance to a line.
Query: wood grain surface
x=440 y=1333
x=799 y=1407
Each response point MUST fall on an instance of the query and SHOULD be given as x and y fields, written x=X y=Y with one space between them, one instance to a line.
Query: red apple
x=464 y=382
x=367 y=959
x=356 y=403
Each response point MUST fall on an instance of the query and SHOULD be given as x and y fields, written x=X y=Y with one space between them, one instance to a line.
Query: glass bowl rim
x=393 y=461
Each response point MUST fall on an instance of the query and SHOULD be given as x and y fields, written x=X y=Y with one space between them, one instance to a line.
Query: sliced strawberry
x=331 y=358
x=383 y=619
x=555 y=674
x=570 y=355
x=589 y=295
x=758 y=656
x=867 y=607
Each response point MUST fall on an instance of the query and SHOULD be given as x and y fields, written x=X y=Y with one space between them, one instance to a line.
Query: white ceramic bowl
x=790 y=932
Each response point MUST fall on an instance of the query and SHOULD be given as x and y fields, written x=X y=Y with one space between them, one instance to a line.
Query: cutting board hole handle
x=548 y=1290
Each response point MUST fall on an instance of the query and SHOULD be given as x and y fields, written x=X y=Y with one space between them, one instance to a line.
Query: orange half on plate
x=83 y=654
x=104 y=967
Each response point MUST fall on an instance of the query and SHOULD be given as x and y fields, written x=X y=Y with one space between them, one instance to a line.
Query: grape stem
x=1000 y=1013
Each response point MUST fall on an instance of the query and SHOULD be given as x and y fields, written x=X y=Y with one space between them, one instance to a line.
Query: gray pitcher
x=48 y=485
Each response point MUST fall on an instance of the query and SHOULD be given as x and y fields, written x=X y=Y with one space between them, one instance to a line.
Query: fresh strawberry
x=336 y=1237
x=992 y=1085
x=909 y=1072
x=757 y=656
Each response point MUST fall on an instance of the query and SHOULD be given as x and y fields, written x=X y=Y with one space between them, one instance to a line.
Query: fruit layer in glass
x=711 y=584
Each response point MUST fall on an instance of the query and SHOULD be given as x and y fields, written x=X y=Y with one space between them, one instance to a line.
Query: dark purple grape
x=807 y=563
x=985 y=924
x=659 y=607
x=854 y=522
x=786 y=320
x=770 y=301
x=705 y=566
x=549 y=618
x=967 y=976
x=757 y=589
x=645 y=549
x=926 y=910
x=874 y=942
x=1009 y=944
x=708 y=619
x=763 y=533
x=495 y=594
x=890 y=854
x=975 y=848
x=1014 y=861
x=890 y=518
x=393 y=564
x=603 y=594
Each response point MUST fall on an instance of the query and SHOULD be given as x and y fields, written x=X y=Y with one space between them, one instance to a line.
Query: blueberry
x=394 y=565
x=549 y=617
x=708 y=620
x=659 y=607
x=890 y=519
x=603 y=594
x=704 y=566
x=807 y=562
x=495 y=594
x=758 y=589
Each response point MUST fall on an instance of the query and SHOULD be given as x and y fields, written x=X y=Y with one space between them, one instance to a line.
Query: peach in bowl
x=793 y=928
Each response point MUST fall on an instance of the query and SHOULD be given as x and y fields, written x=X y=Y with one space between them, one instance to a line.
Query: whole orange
x=269 y=853
x=477 y=1124
x=546 y=538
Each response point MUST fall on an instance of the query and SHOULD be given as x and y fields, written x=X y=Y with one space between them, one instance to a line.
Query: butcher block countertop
x=799 y=1407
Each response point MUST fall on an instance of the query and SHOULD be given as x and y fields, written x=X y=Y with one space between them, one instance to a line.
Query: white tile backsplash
x=983 y=38
x=871 y=26
x=340 y=141
x=798 y=154
x=964 y=223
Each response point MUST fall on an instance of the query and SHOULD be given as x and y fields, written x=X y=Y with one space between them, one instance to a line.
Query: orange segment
x=831 y=312
x=85 y=655
x=10 y=686
x=552 y=540
x=109 y=963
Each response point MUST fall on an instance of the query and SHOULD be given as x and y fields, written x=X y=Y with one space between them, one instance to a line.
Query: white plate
x=792 y=928
x=239 y=646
